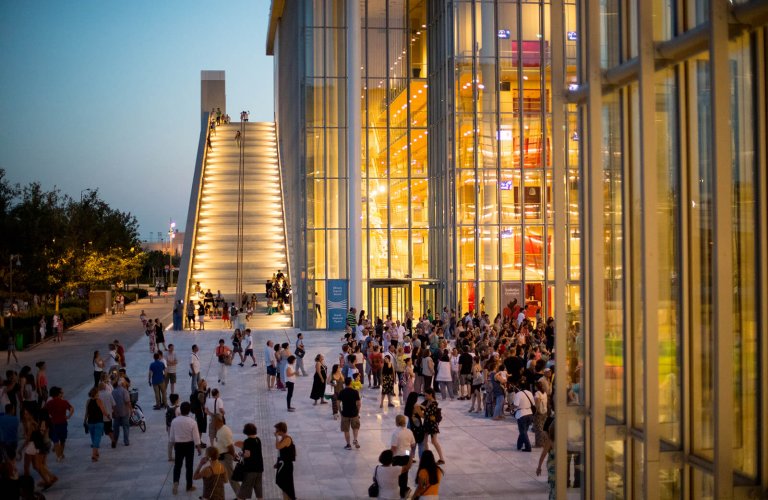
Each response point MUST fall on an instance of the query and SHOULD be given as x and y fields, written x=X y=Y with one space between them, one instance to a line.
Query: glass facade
x=647 y=120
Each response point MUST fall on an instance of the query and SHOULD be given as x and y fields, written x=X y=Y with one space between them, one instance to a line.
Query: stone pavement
x=481 y=461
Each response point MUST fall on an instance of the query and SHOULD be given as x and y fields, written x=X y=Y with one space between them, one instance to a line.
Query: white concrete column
x=355 y=234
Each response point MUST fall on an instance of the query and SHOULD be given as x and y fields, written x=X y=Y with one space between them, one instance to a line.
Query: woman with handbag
x=337 y=383
x=286 y=456
x=213 y=474
x=386 y=476
x=252 y=464
x=225 y=359
x=432 y=418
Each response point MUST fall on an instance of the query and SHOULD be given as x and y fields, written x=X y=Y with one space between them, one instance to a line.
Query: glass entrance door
x=389 y=299
x=431 y=298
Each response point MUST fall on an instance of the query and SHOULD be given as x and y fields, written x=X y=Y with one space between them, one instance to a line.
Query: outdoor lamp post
x=171 y=236
x=15 y=258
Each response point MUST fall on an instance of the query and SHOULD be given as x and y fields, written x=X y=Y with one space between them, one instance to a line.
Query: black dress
x=318 y=386
x=284 y=469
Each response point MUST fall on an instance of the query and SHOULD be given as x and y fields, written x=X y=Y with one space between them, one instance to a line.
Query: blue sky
x=106 y=94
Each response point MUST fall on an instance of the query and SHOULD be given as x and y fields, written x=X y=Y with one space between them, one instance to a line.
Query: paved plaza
x=481 y=460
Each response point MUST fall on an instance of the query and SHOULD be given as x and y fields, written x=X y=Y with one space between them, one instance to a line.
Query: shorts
x=248 y=352
x=170 y=378
x=347 y=422
x=251 y=483
x=466 y=379
x=59 y=433
x=107 y=427
x=271 y=370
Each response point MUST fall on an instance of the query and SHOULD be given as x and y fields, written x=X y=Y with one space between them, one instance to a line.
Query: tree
x=65 y=243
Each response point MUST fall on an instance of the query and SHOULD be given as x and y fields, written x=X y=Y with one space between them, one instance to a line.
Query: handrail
x=285 y=224
x=190 y=231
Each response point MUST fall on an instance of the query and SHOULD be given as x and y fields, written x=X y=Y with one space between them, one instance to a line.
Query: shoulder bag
x=373 y=489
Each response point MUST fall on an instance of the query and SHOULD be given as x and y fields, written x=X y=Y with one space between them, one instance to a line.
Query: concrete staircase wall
x=214 y=250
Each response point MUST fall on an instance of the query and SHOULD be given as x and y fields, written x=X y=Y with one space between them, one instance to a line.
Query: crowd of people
x=501 y=368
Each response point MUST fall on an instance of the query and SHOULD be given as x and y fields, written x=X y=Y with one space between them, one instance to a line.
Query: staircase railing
x=195 y=198
x=285 y=224
x=240 y=217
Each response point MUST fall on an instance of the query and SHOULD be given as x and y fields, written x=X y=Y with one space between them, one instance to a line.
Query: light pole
x=171 y=236
x=17 y=259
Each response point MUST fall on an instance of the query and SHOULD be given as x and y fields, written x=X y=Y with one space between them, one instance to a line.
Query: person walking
x=300 y=352
x=121 y=413
x=185 y=438
x=156 y=379
x=523 y=403
x=95 y=414
x=350 y=413
x=318 y=381
x=253 y=462
x=286 y=456
x=194 y=368
x=60 y=411
x=224 y=356
x=248 y=346
x=290 y=379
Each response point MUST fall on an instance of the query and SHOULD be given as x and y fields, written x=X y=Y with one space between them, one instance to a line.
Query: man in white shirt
x=225 y=445
x=403 y=446
x=248 y=346
x=400 y=331
x=360 y=331
x=214 y=406
x=185 y=437
x=194 y=368
x=523 y=401
x=520 y=318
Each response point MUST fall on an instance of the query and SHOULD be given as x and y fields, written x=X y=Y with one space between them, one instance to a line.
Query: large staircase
x=239 y=239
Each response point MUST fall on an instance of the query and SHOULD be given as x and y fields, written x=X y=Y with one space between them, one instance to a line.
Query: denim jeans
x=523 y=443
x=499 y=410
x=96 y=431
x=117 y=423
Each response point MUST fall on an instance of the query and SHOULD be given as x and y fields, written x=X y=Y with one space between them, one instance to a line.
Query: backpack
x=170 y=414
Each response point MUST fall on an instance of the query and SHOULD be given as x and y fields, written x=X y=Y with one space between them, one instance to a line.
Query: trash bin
x=19 y=341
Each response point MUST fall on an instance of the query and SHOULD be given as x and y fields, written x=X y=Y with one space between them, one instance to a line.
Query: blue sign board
x=572 y=36
x=505 y=185
x=336 y=303
x=504 y=34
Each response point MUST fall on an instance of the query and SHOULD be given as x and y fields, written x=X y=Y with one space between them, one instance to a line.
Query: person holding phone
x=286 y=456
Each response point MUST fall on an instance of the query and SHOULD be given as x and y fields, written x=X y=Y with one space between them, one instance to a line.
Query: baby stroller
x=137 y=415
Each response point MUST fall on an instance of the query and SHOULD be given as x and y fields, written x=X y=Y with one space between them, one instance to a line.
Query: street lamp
x=17 y=259
x=171 y=236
